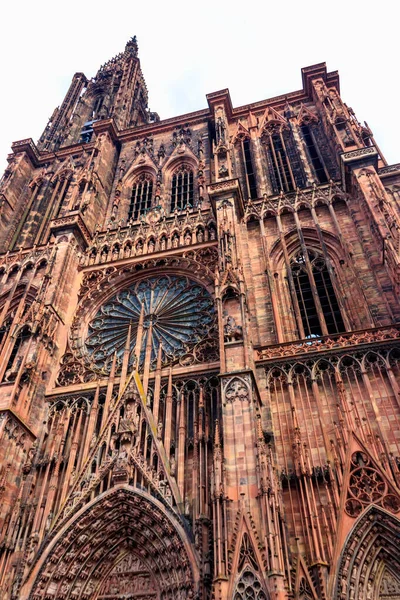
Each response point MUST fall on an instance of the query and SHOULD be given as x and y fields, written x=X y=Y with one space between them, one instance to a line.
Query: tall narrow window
x=63 y=187
x=283 y=179
x=306 y=299
x=142 y=192
x=248 y=165
x=182 y=189
x=97 y=106
x=285 y=169
x=313 y=153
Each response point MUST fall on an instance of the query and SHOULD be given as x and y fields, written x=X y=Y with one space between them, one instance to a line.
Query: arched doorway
x=369 y=567
x=123 y=544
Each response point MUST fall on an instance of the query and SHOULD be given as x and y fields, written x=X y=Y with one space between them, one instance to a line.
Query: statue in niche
x=220 y=130
x=173 y=465
x=200 y=236
x=12 y=373
x=175 y=241
x=187 y=506
x=188 y=239
x=151 y=246
x=159 y=430
x=223 y=171
x=168 y=495
x=127 y=423
x=232 y=332
x=122 y=459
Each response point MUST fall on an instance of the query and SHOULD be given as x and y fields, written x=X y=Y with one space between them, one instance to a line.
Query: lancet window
x=61 y=192
x=315 y=295
x=314 y=154
x=142 y=193
x=285 y=169
x=249 y=168
x=182 y=194
x=97 y=106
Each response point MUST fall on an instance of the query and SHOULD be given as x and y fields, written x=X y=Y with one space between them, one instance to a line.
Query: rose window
x=178 y=313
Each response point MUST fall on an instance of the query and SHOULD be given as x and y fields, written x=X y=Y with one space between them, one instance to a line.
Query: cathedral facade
x=199 y=350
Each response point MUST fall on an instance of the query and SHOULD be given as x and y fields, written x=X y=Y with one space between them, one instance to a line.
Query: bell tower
x=118 y=91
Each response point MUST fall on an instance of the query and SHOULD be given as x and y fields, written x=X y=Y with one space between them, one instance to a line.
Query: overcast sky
x=188 y=49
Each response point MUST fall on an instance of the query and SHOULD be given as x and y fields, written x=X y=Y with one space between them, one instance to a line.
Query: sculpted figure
x=173 y=465
x=231 y=330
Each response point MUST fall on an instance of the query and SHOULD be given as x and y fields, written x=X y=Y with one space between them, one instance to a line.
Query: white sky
x=188 y=49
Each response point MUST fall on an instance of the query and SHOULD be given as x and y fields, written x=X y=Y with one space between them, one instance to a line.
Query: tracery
x=142 y=193
x=313 y=266
x=177 y=313
x=182 y=195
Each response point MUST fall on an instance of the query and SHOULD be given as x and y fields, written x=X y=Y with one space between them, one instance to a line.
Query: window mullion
x=314 y=290
x=271 y=143
x=299 y=291
x=287 y=160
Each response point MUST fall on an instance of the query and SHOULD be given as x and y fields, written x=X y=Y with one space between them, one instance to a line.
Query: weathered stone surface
x=246 y=260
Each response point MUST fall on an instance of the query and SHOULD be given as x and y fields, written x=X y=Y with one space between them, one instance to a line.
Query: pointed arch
x=119 y=522
x=247 y=561
x=141 y=196
x=369 y=553
x=182 y=187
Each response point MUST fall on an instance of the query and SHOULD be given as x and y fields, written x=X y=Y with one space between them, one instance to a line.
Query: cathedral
x=199 y=350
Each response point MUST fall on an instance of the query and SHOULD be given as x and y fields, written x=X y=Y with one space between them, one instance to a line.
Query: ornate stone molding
x=351 y=340
x=75 y=223
x=390 y=169
x=356 y=154
x=29 y=147
x=90 y=537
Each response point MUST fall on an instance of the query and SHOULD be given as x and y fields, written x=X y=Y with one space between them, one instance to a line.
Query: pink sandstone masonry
x=199 y=350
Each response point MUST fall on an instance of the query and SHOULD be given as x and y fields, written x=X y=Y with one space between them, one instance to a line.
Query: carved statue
x=173 y=465
x=220 y=130
x=232 y=331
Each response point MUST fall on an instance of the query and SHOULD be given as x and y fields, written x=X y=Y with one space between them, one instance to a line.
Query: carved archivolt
x=370 y=558
x=123 y=528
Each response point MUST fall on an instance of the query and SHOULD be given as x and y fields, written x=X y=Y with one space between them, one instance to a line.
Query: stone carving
x=232 y=332
x=249 y=586
x=141 y=573
x=169 y=302
x=367 y=486
x=330 y=343
x=237 y=390
x=157 y=233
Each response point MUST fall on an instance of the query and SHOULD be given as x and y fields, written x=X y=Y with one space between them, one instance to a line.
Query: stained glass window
x=178 y=312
